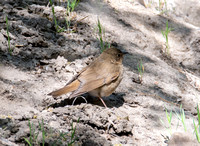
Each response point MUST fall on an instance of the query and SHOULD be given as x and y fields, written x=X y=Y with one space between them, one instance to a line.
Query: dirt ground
x=43 y=60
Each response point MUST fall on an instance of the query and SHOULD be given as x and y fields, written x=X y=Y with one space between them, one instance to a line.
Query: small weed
x=67 y=136
x=54 y=17
x=41 y=128
x=181 y=117
x=166 y=10
x=71 y=5
x=169 y=120
x=33 y=135
x=140 y=68
x=169 y=117
x=7 y=26
x=62 y=137
x=162 y=7
x=149 y=3
x=165 y=35
x=197 y=127
x=68 y=16
x=100 y=35
x=73 y=138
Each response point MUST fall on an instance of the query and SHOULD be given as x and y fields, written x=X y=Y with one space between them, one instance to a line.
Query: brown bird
x=99 y=79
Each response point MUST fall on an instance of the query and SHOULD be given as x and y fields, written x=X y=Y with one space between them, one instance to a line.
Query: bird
x=99 y=79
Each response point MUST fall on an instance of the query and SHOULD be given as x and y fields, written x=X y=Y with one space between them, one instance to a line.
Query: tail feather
x=69 y=88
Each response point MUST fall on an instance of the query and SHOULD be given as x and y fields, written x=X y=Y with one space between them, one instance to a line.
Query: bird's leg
x=102 y=101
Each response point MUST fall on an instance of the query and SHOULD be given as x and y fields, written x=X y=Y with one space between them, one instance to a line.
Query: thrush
x=99 y=79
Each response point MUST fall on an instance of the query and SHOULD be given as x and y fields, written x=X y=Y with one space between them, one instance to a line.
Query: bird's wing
x=76 y=76
x=96 y=76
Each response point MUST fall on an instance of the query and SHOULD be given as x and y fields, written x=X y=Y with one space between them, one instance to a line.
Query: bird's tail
x=69 y=88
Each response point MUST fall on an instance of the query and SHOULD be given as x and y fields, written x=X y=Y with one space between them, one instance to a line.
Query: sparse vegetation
x=181 y=117
x=68 y=137
x=73 y=130
x=33 y=138
x=100 y=37
x=165 y=35
x=162 y=8
x=169 y=120
x=197 y=127
x=149 y=3
x=71 y=4
x=54 y=17
x=60 y=138
x=140 y=68
x=166 y=9
x=7 y=30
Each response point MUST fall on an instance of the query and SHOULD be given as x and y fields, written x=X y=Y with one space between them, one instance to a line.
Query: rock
x=28 y=32
x=7 y=8
x=123 y=127
x=59 y=63
x=6 y=142
x=38 y=42
x=3 y=41
x=37 y=9
x=182 y=139
x=2 y=38
x=1 y=8
x=4 y=32
x=54 y=124
x=61 y=41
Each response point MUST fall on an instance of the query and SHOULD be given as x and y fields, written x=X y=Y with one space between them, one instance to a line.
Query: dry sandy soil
x=43 y=60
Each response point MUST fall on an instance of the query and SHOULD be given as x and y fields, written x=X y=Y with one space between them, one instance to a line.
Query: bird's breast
x=107 y=89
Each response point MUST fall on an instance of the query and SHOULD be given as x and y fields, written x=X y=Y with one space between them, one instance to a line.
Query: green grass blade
x=198 y=115
x=28 y=142
x=183 y=120
x=30 y=128
x=170 y=116
x=196 y=132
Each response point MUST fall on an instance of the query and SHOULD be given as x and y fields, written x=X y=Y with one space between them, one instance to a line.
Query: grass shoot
x=7 y=26
x=169 y=120
x=181 y=117
x=140 y=68
x=100 y=37
x=165 y=35
x=197 y=127
x=58 y=139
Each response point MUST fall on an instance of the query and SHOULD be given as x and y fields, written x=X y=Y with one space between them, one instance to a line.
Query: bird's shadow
x=114 y=100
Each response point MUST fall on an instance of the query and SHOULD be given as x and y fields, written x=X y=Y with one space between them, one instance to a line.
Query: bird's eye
x=118 y=55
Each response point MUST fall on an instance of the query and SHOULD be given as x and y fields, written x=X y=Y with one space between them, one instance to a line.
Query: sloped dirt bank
x=43 y=60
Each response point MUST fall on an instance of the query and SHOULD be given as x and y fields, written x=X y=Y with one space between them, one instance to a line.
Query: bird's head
x=115 y=54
